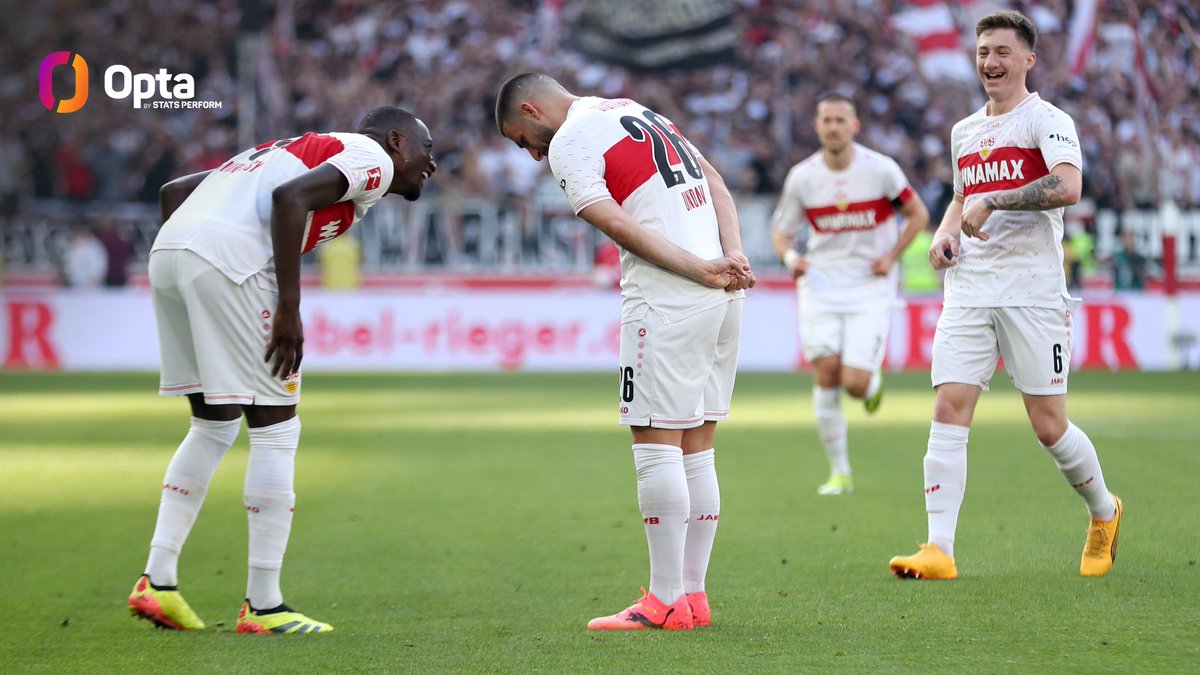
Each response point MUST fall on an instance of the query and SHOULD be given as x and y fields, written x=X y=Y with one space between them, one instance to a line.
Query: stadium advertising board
x=484 y=330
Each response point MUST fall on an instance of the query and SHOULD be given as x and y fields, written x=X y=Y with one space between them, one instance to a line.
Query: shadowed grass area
x=473 y=523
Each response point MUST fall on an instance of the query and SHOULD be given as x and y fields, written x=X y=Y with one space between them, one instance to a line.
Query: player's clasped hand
x=735 y=274
x=287 y=343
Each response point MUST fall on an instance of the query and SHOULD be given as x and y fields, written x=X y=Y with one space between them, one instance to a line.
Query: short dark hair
x=835 y=97
x=385 y=118
x=1009 y=19
x=513 y=88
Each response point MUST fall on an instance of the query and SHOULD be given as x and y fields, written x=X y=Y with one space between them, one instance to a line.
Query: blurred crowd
x=319 y=64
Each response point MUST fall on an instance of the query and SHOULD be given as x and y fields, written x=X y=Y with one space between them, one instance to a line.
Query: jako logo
x=46 y=82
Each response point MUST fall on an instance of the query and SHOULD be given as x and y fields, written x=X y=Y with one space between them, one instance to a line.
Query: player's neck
x=1007 y=104
x=839 y=161
x=556 y=111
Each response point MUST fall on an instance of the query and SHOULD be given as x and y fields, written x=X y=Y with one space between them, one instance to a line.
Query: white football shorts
x=213 y=333
x=860 y=338
x=1035 y=343
x=679 y=375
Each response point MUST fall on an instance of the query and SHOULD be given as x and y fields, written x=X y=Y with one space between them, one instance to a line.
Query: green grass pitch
x=474 y=523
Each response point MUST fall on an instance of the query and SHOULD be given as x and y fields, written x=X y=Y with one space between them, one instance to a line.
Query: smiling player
x=225 y=280
x=1017 y=164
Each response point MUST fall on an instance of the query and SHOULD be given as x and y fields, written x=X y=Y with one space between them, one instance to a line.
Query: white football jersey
x=1021 y=263
x=850 y=216
x=227 y=218
x=618 y=149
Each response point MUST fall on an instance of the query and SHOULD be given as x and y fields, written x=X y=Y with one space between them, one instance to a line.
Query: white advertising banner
x=573 y=329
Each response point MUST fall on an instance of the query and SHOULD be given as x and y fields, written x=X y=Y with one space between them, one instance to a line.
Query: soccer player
x=846 y=196
x=629 y=172
x=225 y=280
x=1016 y=165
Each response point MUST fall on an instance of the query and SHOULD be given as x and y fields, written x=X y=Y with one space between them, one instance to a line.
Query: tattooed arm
x=1062 y=187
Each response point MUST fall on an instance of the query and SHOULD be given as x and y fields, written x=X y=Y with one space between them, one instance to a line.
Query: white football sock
x=945 y=482
x=1077 y=460
x=184 y=486
x=664 y=503
x=705 y=496
x=269 y=499
x=831 y=427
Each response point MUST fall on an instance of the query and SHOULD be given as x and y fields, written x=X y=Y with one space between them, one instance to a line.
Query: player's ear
x=530 y=110
x=395 y=140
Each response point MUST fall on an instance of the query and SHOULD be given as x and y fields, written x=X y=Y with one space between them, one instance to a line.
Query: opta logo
x=46 y=82
x=158 y=91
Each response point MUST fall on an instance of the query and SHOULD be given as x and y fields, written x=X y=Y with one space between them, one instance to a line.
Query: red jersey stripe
x=906 y=195
x=854 y=216
x=1001 y=169
x=327 y=223
x=313 y=148
x=627 y=166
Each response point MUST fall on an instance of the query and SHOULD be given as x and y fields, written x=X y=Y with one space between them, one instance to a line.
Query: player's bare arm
x=728 y=226
x=1062 y=187
x=784 y=244
x=172 y=195
x=291 y=203
x=608 y=217
x=916 y=219
x=787 y=215
x=944 y=248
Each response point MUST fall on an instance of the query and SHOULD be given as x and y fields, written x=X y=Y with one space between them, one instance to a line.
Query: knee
x=1049 y=430
x=949 y=410
x=1049 y=423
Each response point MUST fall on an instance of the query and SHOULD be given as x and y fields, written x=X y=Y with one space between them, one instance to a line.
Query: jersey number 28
x=655 y=129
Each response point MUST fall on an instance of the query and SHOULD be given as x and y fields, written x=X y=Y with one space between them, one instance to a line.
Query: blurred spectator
x=74 y=173
x=158 y=167
x=118 y=252
x=917 y=275
x=1128 y=265
x=1140 y=135
x=12 y=174
x=84 y=263
x=1079 y=250
x=341 y=261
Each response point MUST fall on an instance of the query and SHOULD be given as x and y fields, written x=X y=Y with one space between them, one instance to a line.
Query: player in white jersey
x=1016 y=166
x=225 y=280
x=845 y=198
x=629 y=172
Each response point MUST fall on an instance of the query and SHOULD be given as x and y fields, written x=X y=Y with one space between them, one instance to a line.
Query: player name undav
x=694 y=196
x=850 y=220
x=987 y=172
